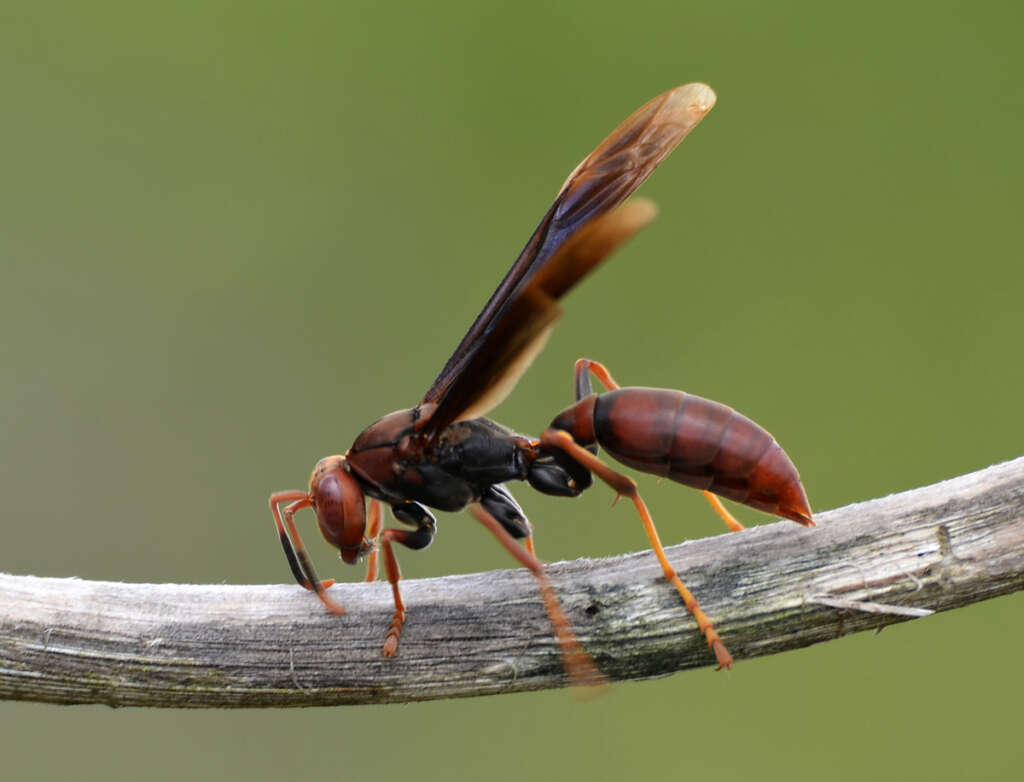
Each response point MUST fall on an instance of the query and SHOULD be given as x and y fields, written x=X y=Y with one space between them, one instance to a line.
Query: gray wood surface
x=767 y=589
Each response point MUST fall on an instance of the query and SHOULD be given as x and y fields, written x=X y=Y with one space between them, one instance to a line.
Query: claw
x=390 y=648
x=724 y=658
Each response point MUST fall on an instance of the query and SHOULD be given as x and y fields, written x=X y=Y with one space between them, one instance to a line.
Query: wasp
x=444 y=454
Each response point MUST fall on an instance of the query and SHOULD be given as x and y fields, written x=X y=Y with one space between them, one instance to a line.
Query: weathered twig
x=768 y=589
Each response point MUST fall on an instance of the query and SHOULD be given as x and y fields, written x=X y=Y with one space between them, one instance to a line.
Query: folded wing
x=583 y=226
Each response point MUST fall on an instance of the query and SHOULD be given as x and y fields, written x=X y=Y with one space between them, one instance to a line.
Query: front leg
x=294 y=551
x=416 y=515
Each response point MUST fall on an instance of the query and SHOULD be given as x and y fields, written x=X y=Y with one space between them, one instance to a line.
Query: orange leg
x=722 y=511
x=625 y=486
x=415 y=539
x=600 y=371
x=394 y=574
x=286 y=543
x=373 y=533
x=298 y=559
x=578 y=664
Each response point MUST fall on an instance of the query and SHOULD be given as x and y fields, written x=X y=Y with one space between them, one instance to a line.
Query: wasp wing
x=579 y=230
x=521 y=334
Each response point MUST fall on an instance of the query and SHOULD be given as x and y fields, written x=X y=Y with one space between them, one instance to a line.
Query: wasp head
x=340 y=508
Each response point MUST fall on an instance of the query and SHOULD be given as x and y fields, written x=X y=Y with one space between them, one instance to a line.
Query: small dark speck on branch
x=768 y=589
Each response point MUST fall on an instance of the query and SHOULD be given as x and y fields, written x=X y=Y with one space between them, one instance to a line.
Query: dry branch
x=768 y=589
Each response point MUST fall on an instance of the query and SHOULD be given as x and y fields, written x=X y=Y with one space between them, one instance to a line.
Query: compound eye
x=340 y=508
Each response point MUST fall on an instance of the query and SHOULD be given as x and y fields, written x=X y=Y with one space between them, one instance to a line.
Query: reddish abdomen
x=700 y=443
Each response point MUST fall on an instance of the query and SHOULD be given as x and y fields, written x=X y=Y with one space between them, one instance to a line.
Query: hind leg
x=625 y=486
x=585 y=367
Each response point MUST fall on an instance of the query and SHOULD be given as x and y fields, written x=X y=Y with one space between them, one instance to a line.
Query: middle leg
x=411 y=513
x=578 y=664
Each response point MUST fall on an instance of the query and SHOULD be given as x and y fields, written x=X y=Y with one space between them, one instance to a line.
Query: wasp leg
x=720 y=509
x=416 y=515
x=582 y=371
x=286 y=543
x=581 y=375
x=373 y=525
x=499 y=502
x=625 y=486
x=294 y=551
x=578 y=664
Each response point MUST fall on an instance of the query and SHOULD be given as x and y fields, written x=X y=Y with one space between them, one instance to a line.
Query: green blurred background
x=233 y=234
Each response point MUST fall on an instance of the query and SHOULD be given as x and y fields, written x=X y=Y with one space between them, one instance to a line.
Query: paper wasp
x=443 y=454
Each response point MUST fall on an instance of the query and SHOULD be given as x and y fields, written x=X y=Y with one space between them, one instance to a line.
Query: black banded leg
x=556 y=474
x=579 y=666
x=583 y=370
x=289 y=550
x=295 y=551
x=416 y=515
x=585 y=367
x=499 y=502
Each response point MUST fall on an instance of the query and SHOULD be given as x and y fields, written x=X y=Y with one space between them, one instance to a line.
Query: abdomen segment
x=702 y=444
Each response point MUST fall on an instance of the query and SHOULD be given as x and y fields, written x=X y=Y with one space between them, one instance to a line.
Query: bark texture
x=768 y=589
